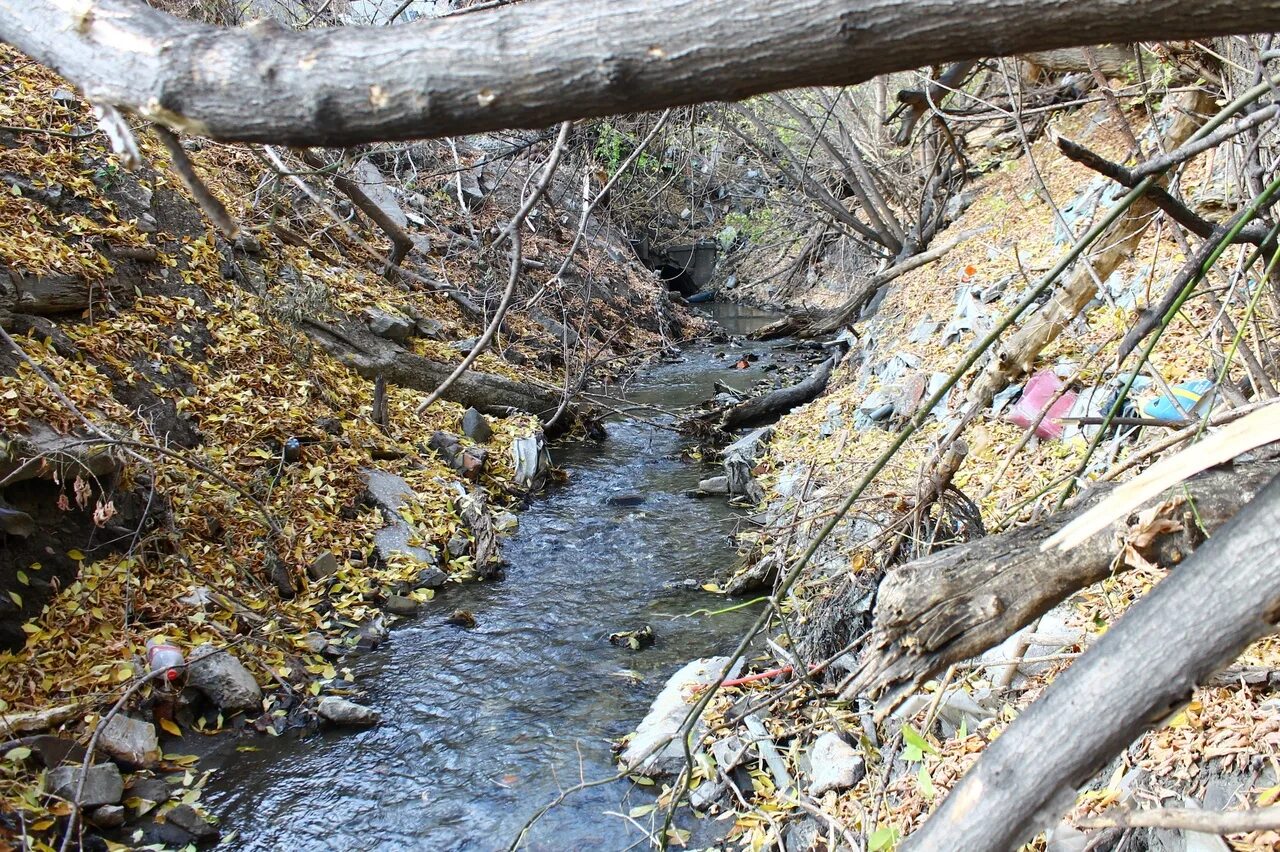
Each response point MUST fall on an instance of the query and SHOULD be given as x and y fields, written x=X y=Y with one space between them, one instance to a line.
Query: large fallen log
x=1195 y=621
x=955 y=604
x=763 y=410
x=372 y=357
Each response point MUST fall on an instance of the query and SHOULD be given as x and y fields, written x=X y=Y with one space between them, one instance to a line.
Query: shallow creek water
x=482 y=727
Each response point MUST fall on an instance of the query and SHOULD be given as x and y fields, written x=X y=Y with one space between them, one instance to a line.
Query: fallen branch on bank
x=1187 y=819
x=953 y=605
x=1196 y=621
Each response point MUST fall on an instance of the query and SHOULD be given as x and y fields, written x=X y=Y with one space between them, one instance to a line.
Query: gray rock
x=429 y=328
x=388 y=492
x=458 y=545
x=476 y=427
x=625 y=500
x=130 y=741
x=340 y=711
x=729 y=752
x=388 y=326
x=102 y=784
x=836 y=765
x=714 y=485
x=151 y=789
x=324 y=566
x=224 y=680
x=189 y=820
x=465 y=346
x=401 y=605
x=707 y=794
x=107 y=816
x=430 y=578
x=666 y=716
x=505 y=522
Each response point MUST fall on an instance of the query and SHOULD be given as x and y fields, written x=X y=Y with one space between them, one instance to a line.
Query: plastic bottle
x=165 y=657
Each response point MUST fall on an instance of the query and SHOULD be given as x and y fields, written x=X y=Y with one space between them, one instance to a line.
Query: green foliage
x=613 y=147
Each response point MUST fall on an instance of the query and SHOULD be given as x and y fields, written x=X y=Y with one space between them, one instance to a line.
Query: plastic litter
x=1189 y=396
x=1039 y=390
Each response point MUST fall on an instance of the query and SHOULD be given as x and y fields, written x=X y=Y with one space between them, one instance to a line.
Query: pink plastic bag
x=1035 y=396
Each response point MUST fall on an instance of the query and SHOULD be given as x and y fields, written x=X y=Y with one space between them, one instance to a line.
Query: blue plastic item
x=1188 y=394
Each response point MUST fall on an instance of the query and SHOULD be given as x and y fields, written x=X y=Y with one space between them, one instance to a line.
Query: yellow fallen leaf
x=170 y=727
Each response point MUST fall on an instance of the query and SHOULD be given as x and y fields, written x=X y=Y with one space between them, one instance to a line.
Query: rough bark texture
x=372 y=357
x=957 y=603
x=533 y=64
x=1193 y=623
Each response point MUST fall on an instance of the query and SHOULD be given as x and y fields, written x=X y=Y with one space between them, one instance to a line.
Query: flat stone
x=102 y=784
x=665 y=718
x=130 y=741
x=340 y=711
x=189 y=820
x=401 y=605
x=151 y=789
x=430 y=578
x=107 y=816
x=224 y=680
x=476 y=426
x=326 y=565
x=389 y=492
x=388 y=326
x=836 y=765
x=714 y=485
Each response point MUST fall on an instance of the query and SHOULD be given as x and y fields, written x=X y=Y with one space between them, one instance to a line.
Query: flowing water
x=482 y=727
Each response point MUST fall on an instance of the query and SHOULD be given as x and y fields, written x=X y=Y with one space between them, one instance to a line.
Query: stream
x=482 y=727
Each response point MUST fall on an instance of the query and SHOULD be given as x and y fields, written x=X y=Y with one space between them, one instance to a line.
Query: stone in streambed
x=340 y=711
x=476 y=427
x=102 y=784
x=189 y=820
x=224 y=680
x=401 y=605
x=624 y=500
x=133 y=742
x=666 y=716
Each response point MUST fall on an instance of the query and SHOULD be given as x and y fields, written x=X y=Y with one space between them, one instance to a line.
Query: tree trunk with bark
x=534 y=64
x=1195 y=622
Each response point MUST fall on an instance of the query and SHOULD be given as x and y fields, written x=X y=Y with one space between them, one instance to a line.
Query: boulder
x=133 y=742
x=102 y=784
x=388 y=326
x=836 y=765
x=224 y=680
x=150 y=789
x=476 y=426
x=666 y=715
x=340 y=711
x=388 y=493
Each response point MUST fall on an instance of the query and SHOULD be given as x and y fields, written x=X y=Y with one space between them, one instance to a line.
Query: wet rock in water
x=633 y=639
x=714 y=485
x=369 y=635
x=102 y=784
x=388 y=326
x=430 y=578
x=107 y=816
x=224 y=680
x=401 y=605
x=340 y=711
x=326 y=565
x=505 y=522
x=462 y=618
x=836 y=765
x=189 y=820
x=130 y=741
x=624 y=500
x=665 y=718
x=476 y=427
x=150 y=789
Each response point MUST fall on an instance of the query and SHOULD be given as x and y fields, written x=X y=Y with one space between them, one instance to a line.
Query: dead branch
x=1186 y=819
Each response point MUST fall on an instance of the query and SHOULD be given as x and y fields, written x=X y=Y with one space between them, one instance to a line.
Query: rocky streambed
x=482 y=726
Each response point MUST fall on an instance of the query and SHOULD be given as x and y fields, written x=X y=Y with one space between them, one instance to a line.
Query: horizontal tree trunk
x=1193 y=623
x=374 y=357
x=955 y=604
x=762 y=410
x=537 y=63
